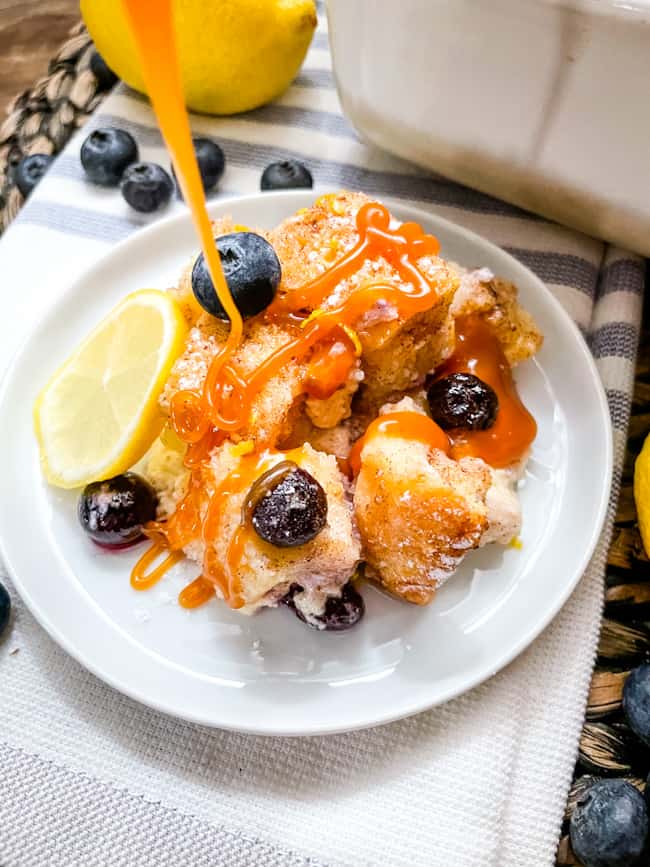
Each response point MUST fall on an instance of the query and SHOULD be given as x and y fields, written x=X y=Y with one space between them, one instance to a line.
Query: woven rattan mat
x=42 y=119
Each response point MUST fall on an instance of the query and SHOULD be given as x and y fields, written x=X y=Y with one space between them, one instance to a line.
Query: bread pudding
x=366 y=424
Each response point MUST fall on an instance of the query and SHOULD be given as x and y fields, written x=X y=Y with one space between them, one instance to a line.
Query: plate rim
x=502 y=659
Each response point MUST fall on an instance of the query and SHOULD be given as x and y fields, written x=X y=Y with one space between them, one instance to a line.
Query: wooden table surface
x=31 y=31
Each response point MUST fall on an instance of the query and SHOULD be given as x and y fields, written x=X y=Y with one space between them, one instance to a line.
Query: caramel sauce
x=400 y=247
x=257 y=474
x=185 y=523
x=329 y=368
x=224 y=576
x=409 y=425
x=234 y=557
x=323 y=338
x=141 y=579
x=264 y=485
x=197 y=593
x=478 y=351
x=152 y=23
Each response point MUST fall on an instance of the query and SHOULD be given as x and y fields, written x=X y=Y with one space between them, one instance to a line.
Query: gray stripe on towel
x=78 y=221
x=623 y=275
x=615 y=339
x=315 y=78
x=561 y=269
x=305 y=118
x=619 y=408
x=331 y=123
x=77 y=820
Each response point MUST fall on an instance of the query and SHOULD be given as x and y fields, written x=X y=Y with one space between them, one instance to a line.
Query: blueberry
x=341 y=612
x=211 y=160
x=104 y=75
x=609 y=826
x=106 y=153
x=146 y=187
x=252 y=270
x=113 y=512
x=636 y=701
x=290 y=509
x=30 y=170
x=462 y=400
x=5 y=608
x=344 y=611
x=286 y=175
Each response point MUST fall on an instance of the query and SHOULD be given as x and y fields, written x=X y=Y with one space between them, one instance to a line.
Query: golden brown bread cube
x=398 y=351
x=495 y=300
x=418 y=511
x=328 y=412
x=270 y=417
x=266 y=572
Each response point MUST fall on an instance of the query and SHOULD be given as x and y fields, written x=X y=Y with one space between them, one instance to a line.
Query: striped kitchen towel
x=91 y=778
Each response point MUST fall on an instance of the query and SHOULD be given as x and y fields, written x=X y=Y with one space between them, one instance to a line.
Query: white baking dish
x=540 y=102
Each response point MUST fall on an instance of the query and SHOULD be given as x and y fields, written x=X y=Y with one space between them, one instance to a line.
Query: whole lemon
x=642 y=493
x=234 y=54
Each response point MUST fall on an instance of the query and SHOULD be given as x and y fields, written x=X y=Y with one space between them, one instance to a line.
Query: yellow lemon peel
x=642 y=492
x=234 y=56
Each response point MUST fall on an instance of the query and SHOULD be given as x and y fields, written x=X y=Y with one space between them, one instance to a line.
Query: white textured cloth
x=89 y=777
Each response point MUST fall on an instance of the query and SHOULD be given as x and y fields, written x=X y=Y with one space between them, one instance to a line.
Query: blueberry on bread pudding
x=287 y=506
x=340 y=612
x=462 y=400
x=252 y=272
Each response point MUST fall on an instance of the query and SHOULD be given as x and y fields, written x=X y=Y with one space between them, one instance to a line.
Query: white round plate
x=269 y=674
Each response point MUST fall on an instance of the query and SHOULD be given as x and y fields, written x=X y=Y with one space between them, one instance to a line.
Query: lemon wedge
x=99 y=413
